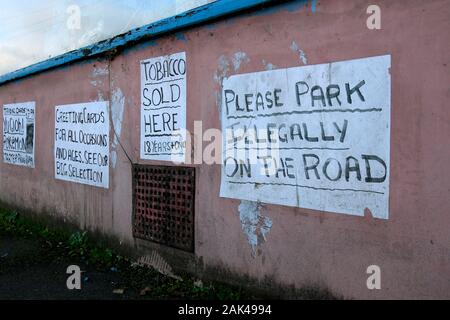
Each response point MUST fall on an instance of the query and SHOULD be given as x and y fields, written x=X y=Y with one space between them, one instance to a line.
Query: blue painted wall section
x=189 y=18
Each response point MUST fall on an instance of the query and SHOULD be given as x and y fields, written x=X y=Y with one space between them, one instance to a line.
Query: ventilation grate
x=163 y=207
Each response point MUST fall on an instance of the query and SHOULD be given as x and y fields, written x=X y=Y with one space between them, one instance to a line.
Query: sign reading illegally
x=315 y=137
x=82 y=143
x=18 y=134
x=163 y=108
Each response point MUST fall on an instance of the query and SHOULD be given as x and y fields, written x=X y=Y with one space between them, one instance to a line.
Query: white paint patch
x=222 y=70
x=95 y=82
x=100 y=72
x=238 y=59
x=100 y=96
x=268 y=65
x=255 y=226
x=113 y=158
x=117 y=110
x=295 y=48
x=221 y=73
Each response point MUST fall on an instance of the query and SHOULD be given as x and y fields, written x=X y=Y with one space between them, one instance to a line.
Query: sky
x=35 y=30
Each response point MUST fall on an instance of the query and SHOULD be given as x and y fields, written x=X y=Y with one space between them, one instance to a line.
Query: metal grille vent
x=164 y=205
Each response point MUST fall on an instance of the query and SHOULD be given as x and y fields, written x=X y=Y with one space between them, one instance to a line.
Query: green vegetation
x=58 y=245
x=48 y=244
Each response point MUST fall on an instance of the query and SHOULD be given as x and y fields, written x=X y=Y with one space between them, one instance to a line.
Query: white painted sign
x=82 y=143
x=163 y=108
x=19 y=133
x=315 y=137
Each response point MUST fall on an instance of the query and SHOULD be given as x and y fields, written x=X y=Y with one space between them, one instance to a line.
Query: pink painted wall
x=304 y=246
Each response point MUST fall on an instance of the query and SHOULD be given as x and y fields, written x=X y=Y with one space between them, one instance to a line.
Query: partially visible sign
x=163 y=108
x=19 y=133
x=315 y=137
x=82 y=143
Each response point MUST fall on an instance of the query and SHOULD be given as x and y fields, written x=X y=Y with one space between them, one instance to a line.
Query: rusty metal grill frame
x=164 y=205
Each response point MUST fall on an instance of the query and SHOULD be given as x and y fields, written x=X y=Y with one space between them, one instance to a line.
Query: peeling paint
x=96 y=83
x=224 y=68
x=100 y=96
x=117 y=111
x=221 y=73
x=238 y=59
x=296 y=49
x=100 y=72
x=269 y=66
x=255 y=226
x=113 y=158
